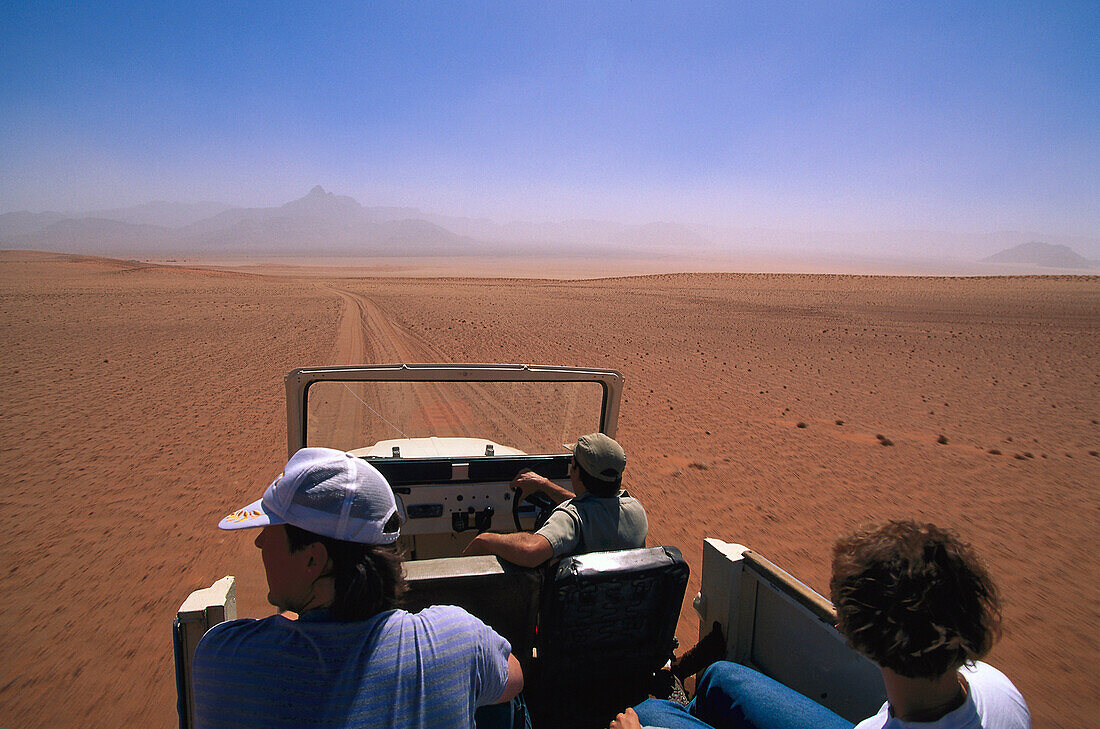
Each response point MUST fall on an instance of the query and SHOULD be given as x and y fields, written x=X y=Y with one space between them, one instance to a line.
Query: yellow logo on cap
x=243 y=515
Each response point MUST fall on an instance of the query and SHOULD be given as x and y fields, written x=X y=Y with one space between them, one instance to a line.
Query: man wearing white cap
x=596 y=516
x=351 y=659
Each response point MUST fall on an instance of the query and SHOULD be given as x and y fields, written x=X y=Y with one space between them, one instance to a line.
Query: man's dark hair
x=914 y=598
x=368 y=578
x=598 y=487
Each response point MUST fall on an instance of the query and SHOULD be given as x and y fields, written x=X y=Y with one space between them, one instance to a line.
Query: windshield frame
x=298 y=382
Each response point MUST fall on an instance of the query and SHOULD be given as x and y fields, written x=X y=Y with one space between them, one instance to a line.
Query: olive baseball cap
x=600 y=456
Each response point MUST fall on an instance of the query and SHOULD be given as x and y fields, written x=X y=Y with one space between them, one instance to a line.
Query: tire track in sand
x=366 y=333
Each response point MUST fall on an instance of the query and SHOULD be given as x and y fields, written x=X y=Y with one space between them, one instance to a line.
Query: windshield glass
x=536 y=418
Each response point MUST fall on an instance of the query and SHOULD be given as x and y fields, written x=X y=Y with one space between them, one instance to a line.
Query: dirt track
x=367 y=333
x=143 y=403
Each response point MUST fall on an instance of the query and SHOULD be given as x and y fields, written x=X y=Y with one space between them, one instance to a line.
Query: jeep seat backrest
x=606 y=625
x=502 y=595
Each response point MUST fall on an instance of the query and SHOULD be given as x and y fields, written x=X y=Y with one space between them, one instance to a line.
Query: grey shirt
x=590 y=523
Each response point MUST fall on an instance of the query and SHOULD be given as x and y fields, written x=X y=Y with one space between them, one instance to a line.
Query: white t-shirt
x=991 y=703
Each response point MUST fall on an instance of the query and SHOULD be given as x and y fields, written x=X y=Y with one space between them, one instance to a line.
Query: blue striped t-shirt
x=397 y=669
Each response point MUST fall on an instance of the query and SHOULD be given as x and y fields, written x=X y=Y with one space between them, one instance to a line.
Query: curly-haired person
x=914 y=599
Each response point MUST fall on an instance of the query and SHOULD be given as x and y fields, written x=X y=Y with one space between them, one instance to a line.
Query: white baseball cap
x=327 y=492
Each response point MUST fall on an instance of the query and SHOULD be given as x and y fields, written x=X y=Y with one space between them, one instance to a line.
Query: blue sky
x=860 y=116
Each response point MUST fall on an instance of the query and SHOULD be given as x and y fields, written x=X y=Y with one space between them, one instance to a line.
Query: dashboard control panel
x=443 y=496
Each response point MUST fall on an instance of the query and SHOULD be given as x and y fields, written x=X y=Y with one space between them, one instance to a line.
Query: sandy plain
x=142 y=402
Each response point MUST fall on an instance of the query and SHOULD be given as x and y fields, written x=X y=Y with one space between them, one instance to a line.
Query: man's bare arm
x=522 y=548
x=515 y=681
x=530 y=481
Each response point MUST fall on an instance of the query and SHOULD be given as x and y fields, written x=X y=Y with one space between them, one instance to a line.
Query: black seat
x=504 y=596
x=606 y=626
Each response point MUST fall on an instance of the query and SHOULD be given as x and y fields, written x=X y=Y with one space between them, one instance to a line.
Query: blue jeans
x=732 y=696
x=509 y=715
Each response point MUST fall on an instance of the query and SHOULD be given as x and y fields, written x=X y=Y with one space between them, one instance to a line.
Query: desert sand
x=143 y=402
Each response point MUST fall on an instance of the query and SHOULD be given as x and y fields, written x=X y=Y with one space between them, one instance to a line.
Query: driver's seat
x=606 y=626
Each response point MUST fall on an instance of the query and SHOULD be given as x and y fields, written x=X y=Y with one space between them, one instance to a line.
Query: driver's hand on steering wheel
x=527 y=481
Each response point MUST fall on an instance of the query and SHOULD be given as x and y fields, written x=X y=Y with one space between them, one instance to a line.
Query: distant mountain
x=322 y=223
x=1042 y=254
x=382 y=214
x=160 y=213
x=24 y=223
x=320 y=204
x=318 y=213
x=95 y=236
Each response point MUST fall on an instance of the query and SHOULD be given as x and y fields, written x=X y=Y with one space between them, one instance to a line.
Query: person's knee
x=730 y=694
x=732 y=691
x=727 y=676
x=653 y=711
x=649 y=704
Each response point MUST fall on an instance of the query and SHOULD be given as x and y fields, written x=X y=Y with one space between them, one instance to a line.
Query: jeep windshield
x=451 y=412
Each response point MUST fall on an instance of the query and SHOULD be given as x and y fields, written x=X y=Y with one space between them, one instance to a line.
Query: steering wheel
x=543 y=506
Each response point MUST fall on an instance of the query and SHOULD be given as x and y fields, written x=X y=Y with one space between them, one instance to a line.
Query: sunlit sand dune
x=142 y=402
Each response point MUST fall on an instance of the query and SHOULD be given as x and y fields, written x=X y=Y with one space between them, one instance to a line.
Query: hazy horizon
x=854 y=119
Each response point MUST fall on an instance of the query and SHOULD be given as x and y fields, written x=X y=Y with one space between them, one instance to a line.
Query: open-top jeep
x=591 y=630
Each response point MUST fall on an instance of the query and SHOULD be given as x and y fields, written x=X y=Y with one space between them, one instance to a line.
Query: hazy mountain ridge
x=25 y=223
x=319 y=223
x=1042 y=254
x=97 y=236
x=322 y=223
x=160 y=213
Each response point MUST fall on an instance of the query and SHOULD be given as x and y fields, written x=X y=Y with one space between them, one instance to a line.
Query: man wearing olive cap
x=596 y=516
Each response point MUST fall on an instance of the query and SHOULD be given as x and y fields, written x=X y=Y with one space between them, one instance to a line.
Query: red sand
x=144 y=402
